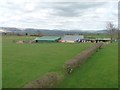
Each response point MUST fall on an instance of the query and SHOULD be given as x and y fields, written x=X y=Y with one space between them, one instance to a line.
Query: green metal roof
x=48 y=38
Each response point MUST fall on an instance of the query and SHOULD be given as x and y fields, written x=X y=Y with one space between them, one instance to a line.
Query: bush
x=81 y=58
x=47 y=81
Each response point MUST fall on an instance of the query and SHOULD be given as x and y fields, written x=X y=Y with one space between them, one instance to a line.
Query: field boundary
x=47 y=81
x=52 y=79
x=81 y=58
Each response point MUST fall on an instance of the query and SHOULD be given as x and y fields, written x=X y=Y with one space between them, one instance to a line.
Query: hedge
x=81 y=58
x=51 y=79
x=48 y=81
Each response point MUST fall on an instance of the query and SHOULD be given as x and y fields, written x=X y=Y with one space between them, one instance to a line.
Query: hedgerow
x=81 y=58
x=48 y=81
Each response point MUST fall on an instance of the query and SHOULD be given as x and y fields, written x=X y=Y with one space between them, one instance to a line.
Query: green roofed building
x=48 y=39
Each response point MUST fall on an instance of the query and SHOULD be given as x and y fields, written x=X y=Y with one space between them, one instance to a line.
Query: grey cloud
x=11 y=6
x=66 y=9
x=72 y=9
x=56 y=15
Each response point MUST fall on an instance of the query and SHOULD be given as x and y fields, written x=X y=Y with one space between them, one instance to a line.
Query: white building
x=71 y=38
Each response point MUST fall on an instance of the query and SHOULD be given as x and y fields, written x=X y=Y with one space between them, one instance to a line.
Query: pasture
x=23 y=63
x=100 y=71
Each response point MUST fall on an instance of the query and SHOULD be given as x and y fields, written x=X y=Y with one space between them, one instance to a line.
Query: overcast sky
x=82 y=15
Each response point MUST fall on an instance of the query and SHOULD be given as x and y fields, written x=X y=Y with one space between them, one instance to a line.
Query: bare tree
x=112 y=30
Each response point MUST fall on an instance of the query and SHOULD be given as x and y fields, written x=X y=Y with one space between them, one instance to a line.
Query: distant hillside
x=31 y=31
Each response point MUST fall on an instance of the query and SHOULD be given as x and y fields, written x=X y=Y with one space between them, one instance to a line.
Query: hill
x=48 y=31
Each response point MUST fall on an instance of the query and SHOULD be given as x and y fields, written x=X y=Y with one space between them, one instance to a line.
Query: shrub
x=81 y=58
x=47 y=81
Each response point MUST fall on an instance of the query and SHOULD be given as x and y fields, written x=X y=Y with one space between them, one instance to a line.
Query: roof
x=98 y=39
x=72 y=37
x=47 y=38
x=103 y=38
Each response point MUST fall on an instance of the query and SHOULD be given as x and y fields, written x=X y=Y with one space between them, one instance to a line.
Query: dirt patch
x=25 y=42
x=20 y=42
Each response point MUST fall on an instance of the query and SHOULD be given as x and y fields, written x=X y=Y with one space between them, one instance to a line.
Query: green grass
x=100 y=71
x=23 y=63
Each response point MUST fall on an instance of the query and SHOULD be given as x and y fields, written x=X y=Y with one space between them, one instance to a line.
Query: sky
x=64 y=15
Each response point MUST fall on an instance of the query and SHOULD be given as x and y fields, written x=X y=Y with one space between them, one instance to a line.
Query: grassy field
x=23 y=63
x=100 y=71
